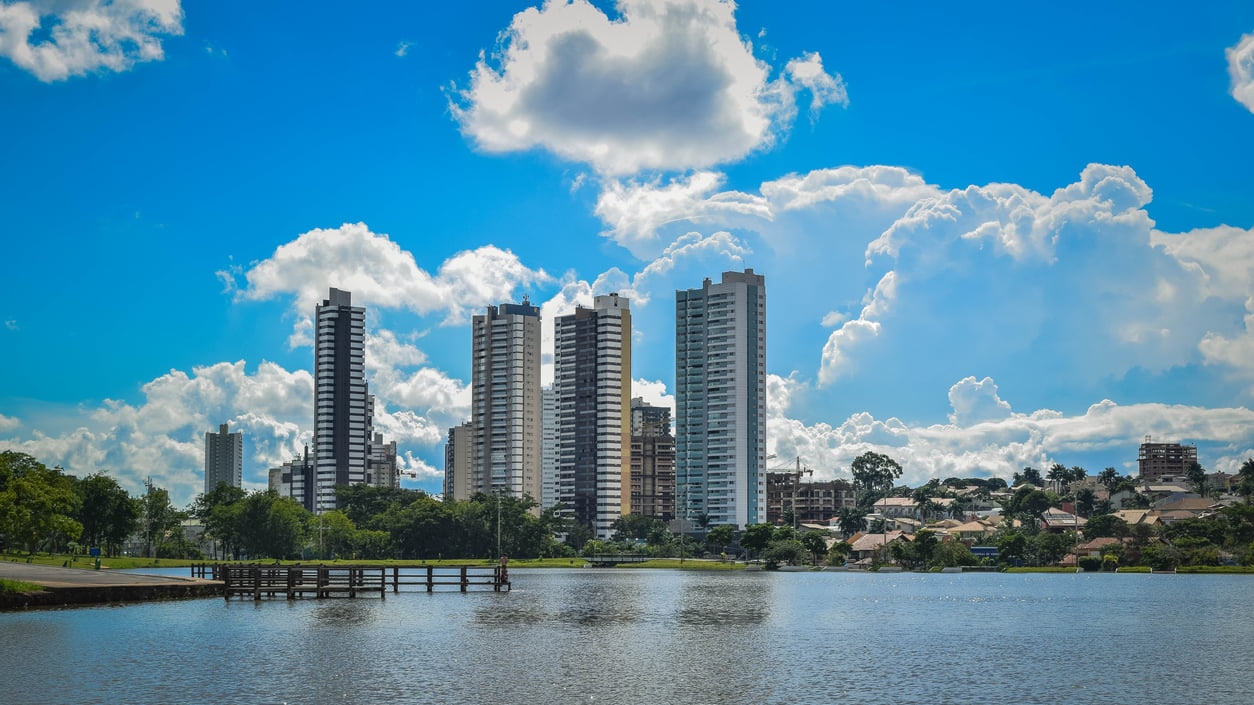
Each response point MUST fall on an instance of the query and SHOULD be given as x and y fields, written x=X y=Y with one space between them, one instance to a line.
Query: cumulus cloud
x=976 y=401
x=380 y=273
x=8 y=423
x=574 y=292
x=835 y=360
x=162 y=437
x=998 y=442
x=57 y=39
x=654 y=393
x=825 y=89
x=666 y=85
x=792 y=212
x=1241 y=70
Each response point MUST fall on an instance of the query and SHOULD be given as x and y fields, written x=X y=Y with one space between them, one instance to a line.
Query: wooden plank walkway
x=320 y=581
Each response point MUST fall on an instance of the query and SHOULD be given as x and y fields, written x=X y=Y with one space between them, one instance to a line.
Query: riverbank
x=59 y=586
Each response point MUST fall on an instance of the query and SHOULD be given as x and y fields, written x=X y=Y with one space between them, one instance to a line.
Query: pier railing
x=291 y=581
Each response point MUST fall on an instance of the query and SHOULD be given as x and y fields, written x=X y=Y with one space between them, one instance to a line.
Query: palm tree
x=851 y=520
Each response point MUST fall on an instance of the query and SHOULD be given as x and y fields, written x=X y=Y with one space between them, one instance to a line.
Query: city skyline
x=992 y=241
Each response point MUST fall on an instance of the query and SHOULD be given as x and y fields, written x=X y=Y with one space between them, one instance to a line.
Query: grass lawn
x=7 y=585
x=68 y=561
x=687 y=564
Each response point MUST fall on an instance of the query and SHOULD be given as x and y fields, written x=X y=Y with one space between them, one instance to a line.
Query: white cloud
x=793 y=213
x=402 y=48
x=654 y=393
x=11 y=324
x=835 y=360
x=1241 y=70
x=976 y=401
x=668 y=84
x=162 y=437
x=85 y=35
x=574 y=292
x=379 y=273
x=825 y=89
x=8 y=423
x=1000 y=442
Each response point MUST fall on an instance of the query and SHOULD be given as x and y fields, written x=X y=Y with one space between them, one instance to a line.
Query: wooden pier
x=292 y=581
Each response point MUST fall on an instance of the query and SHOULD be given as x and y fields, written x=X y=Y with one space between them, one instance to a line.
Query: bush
x=1089 y=563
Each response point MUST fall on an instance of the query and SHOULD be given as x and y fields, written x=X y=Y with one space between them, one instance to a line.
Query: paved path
x=58 y=577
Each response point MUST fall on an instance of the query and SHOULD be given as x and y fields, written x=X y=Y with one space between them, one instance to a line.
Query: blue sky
x=992 y=236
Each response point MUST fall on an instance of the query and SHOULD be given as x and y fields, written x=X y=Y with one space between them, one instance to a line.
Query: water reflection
x=620 y=636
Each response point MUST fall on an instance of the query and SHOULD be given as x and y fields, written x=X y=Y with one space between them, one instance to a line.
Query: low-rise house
x=906 y=525
x=1093 y=549
x=1057 y=521
x=972 y=530
x=1185 y=503
x=894 y=507
x=866 y=545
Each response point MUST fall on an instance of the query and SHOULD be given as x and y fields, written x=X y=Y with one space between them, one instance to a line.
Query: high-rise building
x=592 y=382
x=342 y=401
x=295 y=479
x=720 y=400
x=548 y=448
x=652 y=461
x=1158 y=460
x=381 y=469
x=224 y=458
x=457 y=462
x=505 y=410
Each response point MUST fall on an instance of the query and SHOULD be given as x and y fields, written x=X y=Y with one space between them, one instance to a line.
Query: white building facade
x=505 y=402
x=720 y=400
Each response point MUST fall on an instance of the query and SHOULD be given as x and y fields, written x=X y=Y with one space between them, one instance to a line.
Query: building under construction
x=1159 y=460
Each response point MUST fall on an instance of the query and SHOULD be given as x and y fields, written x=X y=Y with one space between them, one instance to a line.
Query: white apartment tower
x=505 y=411
x=224 y=458
x=342 y=402
x=720 y=400
x=592 y=384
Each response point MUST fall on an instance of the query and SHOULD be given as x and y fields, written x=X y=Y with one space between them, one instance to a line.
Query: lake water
x=646 y=636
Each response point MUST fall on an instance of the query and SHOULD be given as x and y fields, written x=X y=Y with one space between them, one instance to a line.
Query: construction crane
x=797 y=472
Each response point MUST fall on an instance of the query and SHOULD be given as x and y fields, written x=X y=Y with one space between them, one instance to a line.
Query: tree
x=851 y=520
x=36 y=502
x=924 y=545
x=158 y=518
x=874 y=471
x=1058 y=474
x=953 y=553
x=1029 y=476
x=108 y=513
x=1084 y=500
x=1197 y=477
x=838 y=552
x=1109 y=478
x=718 y=538
x=218 y=512
x=756 y=537
x=1246 y=488
x=1105 y=525
x=788 y=552
x=1050 y=548
x=635 y=527
x=1012 y=546
x=272 y=526
x=816 y=543
x=1028 y=501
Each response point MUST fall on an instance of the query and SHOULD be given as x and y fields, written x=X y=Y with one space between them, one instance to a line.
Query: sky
x=993 y=235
